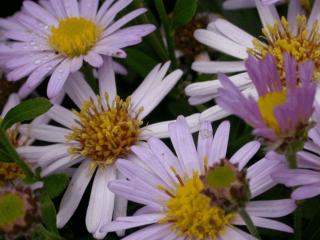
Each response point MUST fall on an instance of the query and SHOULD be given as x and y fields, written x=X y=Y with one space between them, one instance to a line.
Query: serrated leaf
x=26 y=111
x=54 y=185
x=184 y=11
x=48 y=213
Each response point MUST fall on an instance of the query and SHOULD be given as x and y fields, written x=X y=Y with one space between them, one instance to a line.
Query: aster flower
x=195 y=194
x=20 y=210
x=295 y=34
x=103 y=129
x=54 y=37
x=279 y=114
x=306 y=179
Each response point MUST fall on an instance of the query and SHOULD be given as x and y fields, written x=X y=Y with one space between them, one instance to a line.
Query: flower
x=294 y=35
x=54 y=37
x=178 y=203
x=20 y=210
x=240 y=4
x=279 y=114
x=104 y=129
x=306 y=179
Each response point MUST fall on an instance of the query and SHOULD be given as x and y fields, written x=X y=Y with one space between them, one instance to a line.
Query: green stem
x=291 y=156
x=15 y=156
x=250 y=225
x=297 y=224
x=292 y=159
x=168 y=31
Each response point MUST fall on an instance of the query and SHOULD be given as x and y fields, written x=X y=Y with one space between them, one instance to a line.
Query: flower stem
x=251 y=227
x=168 y=31
x=15 y=156
x=297 y=223
x=292 y=159
x=291 y=156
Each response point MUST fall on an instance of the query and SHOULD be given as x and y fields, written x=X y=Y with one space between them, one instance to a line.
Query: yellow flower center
x=105 y=133
x=267 y=105
x=192 y=215
x=9 y=172
x=74 y=36
x=303 y=45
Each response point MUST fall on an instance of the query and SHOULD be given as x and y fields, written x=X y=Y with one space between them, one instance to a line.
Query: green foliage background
x=141 y=59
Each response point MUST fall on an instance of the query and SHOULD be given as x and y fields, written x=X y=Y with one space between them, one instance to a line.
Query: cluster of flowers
x=198 y=192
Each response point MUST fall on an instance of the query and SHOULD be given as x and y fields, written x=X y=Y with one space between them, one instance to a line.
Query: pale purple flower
x=54 y=37
x=155 y=181
x=69 y=148
x=223 y=36
x=306 y=179
x=278 y=113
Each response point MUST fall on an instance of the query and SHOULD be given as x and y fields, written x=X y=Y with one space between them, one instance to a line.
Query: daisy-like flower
x=20 y=210
x=295 y=35
x=54 y=37
x=196 y=194
x=279 y=114
x=306 y=179
x=11 y=172
x=104 y=129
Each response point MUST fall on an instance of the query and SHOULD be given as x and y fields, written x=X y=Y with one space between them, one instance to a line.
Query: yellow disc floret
x=303 y=45
x=192 y=215
x=267 y=105
x=9 y=172
x=74 y=36
x=105 y=132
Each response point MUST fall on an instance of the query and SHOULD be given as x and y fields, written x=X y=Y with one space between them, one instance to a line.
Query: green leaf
x=184 y=11
x=48 y=213
x=140 y=62
x=40 y=233
x=54 y=185
x=26 y=111
x=5 y=157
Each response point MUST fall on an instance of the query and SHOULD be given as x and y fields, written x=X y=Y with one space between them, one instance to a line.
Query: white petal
x=99 y=198
x=219 y=143
x=107 y=81
x=218 y=66
x=74 y=193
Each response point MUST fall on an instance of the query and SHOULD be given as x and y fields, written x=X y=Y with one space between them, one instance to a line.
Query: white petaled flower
x=54 y=37
x=195 y=194
x=297 y=35
x=103 y=129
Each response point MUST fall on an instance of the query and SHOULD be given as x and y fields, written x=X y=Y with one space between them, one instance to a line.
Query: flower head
x=101 y=130
x=306 y=179
x=295 y=35
x=183 y=195
x=54 y=37
x=20 y=210
x=280 y=115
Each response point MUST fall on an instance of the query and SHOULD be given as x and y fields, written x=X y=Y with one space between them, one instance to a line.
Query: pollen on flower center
x=104 y=132
x=267 y=105
x=303 y=45
x=74 y=36
x=192 y=215
x=9 y=172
